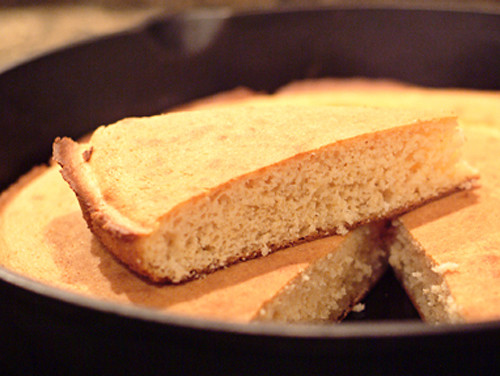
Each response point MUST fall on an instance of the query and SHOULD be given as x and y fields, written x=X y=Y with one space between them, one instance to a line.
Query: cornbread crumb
x=333 y=285
x=445 y=267
x=421 y=277
x=190 y=192
x=360 y=307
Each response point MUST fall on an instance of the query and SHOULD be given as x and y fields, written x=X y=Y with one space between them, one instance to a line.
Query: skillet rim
x=345 y=331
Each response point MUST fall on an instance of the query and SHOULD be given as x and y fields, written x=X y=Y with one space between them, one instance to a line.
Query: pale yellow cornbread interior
x=331 y=286
x=422 y=277
x=448 y=251
x=214 y=187
x=445 y=252
x=44 y=237
x=329 y=189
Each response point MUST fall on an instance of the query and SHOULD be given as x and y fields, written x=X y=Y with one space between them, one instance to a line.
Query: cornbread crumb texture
x=425 y=277
x=214 y=187
x=40 y=216
x=427 y=288
x=331 y=287
x=448 y=252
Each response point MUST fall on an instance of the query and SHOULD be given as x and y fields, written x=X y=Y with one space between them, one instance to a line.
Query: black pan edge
x=55 y=332
x=382 y=329
x=488 y=7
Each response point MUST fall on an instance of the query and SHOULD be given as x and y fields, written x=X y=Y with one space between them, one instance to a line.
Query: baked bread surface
x=447 y=253
x=471 y=106
x=44 y=237
x=182 y=194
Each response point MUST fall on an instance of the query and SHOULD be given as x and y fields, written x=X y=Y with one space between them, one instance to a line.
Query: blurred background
x=29 y=28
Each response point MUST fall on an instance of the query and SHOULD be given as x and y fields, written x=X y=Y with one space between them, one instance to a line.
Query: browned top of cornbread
x=471 y=106
x=143 y=168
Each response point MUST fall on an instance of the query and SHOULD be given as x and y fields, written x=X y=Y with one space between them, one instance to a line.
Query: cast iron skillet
x=178 y=58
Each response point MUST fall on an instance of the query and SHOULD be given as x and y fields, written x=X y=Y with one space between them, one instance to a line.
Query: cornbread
x=44 y=237
x=183 y=194
x=447 y=253
x=470 y=106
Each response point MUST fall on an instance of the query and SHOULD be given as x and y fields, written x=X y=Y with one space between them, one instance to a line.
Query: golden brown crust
x=124 y=234
x=72 y=160
x=471 y=106
x=119 y=238
x=22 y=182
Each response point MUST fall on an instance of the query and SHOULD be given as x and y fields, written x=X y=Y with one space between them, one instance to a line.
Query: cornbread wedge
x=470 y=106
x=447 y=253
x=44 y=237
x=182 y=194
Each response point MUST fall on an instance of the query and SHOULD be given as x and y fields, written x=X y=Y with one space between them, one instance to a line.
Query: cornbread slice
x=470 y=106
x=182 y=194
x=447 y=253
x=44 y=237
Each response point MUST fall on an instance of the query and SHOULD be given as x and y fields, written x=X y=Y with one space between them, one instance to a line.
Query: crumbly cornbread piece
x=183 y=194
x=44 y=237
x=456 y=251
x=447 y=253
x=331 y=287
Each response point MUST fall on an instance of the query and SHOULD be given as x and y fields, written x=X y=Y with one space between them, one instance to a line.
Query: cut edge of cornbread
x=334 y=284
x=362 y=177
x=422 y=277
